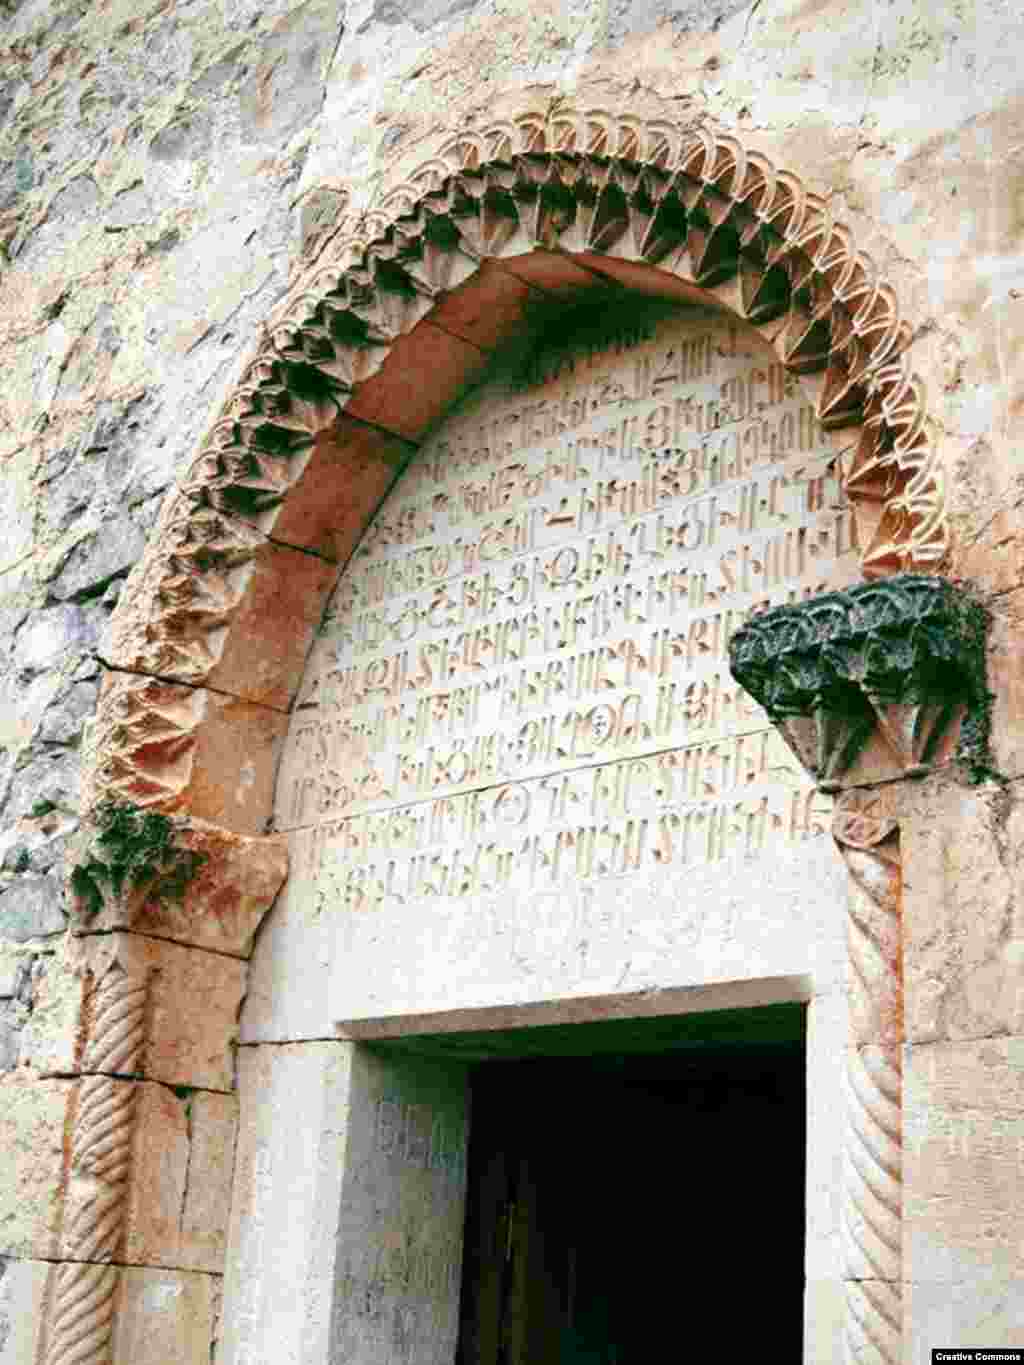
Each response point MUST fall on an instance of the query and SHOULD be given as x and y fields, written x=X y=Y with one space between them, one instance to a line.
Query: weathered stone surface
x=827 y=1032
x=275 y=1172
x=349 y=469
x=284 y=87
x=46 y=783
x=184 y=1150
x=53 y=634
x=344 y=1192
x=963 y=1180
x=22 y=1300
x=65 y=717
x=32 y=1126
x=214 y=756
x=174 y=1211
x=487 y=951
x=94 y=561
x=400 y=403
x=164 y=1317
x=31 y=908
x=986 y=1307
x=223 y=903
x=629 y=17
x=903 y=118
x=159 y=1317
x=10 y=1035
x=71 y=1028
x=962 y=923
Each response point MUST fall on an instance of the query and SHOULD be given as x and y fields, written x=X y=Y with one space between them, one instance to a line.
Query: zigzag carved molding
x=691 y=201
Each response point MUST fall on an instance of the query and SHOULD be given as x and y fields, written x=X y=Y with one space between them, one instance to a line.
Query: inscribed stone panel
x=523 y=676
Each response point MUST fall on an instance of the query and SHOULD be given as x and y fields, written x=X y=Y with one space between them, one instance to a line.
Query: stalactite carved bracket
x=880 y=681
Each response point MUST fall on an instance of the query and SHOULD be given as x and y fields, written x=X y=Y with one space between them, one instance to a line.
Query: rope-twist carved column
x=867 y=835
x=84 y=1295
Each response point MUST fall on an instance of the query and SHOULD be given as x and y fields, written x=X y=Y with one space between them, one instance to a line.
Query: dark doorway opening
x=636 y=1192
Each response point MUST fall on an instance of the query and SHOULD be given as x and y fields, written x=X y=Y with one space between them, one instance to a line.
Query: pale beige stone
x=156 y=1317
x=341 y=1213
x=164 y=1317
x=289 y=975
x=963 y=1178
x=824 y=1317
x=985 y=1308
x=827 y=1025
x=23 y=1288
x=1005 y=663
x=963 y=930
x=33 y=1115
x=286 y=1202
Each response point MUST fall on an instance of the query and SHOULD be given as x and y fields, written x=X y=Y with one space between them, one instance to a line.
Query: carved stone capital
x=233 y=882
x=872 y=683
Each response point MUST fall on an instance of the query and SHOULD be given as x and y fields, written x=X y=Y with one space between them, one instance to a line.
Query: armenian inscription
x=523 y=676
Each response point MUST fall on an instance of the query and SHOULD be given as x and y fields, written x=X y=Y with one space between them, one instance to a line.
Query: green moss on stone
x=136 y=848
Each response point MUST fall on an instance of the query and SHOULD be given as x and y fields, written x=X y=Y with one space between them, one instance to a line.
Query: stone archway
x=208 y=645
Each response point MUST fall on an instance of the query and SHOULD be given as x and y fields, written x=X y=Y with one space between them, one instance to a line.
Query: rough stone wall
x=148 y=219
x=164 y=171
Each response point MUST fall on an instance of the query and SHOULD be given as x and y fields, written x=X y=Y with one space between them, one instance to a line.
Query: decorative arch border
x=243 y=561
x=690 y=202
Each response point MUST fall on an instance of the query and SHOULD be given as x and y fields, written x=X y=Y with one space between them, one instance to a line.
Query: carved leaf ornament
x=688 y=200
x=902 y=657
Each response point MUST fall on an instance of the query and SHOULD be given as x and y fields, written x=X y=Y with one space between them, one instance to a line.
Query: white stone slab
x=347 y=1226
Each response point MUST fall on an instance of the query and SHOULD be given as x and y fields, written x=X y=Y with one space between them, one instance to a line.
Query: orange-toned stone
x=349 y=471
x=223 y=903
x=114 y=1003
x=647 y=280
x=235 y=612
x=189 y=1016
x=1006 y=683
x=425 y=372
x=188 y=749
x=272 y=626
x=164 y=1317
x=995 y=561
x=174 y=1211
x=554 y=272
x=488 y=308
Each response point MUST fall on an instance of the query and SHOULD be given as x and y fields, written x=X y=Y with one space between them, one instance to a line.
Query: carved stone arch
x=210 y=635
x=682 y=210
